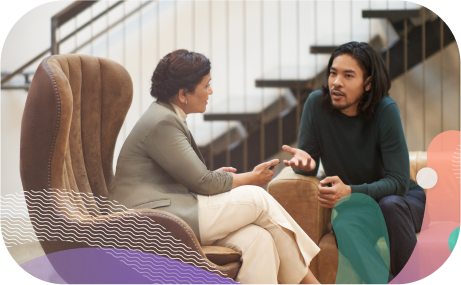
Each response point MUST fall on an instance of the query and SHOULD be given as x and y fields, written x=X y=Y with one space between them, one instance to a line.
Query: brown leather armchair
x=74 y=111
x=298 y=195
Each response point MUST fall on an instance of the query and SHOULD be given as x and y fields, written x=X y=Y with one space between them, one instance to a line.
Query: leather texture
x=74 y=111
x=298 y=195
x=221 y=255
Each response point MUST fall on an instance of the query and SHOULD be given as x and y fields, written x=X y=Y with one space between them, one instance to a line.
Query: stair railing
x=63 y=17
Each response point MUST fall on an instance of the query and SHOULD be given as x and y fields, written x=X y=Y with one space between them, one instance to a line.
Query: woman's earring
x=185 y=103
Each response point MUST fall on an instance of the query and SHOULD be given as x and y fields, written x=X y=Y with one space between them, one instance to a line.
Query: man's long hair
x=372 y=65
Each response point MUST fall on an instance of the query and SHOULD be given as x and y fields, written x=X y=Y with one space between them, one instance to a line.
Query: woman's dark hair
x=372 y=65
x=180 y=69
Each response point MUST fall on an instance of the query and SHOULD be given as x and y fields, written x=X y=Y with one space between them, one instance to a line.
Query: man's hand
x=301 y=160
x=227 y=169
x=328 y=196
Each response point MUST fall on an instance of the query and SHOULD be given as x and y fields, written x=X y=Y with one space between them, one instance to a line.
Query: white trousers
x=249 y=220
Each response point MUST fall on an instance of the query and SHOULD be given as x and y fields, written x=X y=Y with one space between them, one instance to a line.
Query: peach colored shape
x=442 y=213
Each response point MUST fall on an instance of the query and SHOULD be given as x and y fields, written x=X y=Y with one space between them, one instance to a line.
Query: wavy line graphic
x=70 y=216
x=457 y=164
x=153 y=269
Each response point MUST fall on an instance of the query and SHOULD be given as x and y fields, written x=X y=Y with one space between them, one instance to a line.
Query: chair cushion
x=221 y=255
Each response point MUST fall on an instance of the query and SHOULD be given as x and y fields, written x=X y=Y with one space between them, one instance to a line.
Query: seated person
x=354 y=127
x=160 y=165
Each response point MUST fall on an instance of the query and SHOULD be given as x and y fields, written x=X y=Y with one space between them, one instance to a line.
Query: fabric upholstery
x=74 y=111
x=328 y=259
x=298 y=195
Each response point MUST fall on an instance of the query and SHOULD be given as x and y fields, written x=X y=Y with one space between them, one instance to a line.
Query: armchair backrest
x=74 y=111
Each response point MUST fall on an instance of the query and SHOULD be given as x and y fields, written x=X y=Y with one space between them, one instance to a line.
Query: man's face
x=346 y=84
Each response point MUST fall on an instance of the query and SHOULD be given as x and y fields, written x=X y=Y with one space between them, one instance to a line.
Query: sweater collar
x=173 y=108
x=181 y=114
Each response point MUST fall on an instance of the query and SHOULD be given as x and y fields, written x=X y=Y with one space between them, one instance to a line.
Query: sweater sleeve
x=168 y=146
x=395 y=158
x=308 y=140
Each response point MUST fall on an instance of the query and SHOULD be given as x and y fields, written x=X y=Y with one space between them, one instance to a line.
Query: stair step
x=391 y=14
x=414 y=55
x=232 y=117
x=271 y=144
x=27 y=76
x=323 y=49
x=282 y=83
x=313 y=83
x=26 y=73
x=15 y=87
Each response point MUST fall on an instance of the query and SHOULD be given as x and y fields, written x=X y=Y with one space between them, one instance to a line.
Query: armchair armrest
x=146 y=230
x=221 y=255
x=298 y=195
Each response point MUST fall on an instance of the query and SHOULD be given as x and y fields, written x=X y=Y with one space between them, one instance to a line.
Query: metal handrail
x=89 y=22
x=19 y=70
x=62 y=17
x=65 y=15
x=111 y=26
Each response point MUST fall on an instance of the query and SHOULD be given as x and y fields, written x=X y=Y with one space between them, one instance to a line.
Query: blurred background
x=266 y=56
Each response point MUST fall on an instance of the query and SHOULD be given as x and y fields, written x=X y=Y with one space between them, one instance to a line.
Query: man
x=354 y=127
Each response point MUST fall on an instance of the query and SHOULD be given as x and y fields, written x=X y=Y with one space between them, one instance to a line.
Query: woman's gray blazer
x=161 y=166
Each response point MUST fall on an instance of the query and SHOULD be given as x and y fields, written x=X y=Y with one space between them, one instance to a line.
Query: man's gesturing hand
x=301 y=160
x=328 y=196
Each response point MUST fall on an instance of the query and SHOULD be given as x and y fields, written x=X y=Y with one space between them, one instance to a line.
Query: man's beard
x=339 y=106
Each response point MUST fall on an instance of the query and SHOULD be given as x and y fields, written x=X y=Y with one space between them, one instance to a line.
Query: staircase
x=25 y=86
x=58 y=20
x=279 y=123
x=259 y=135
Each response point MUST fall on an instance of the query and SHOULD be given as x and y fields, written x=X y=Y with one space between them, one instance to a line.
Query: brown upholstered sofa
x=74 y=111
x=298 y=195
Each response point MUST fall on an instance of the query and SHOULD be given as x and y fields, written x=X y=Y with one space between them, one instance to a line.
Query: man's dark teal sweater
x=372 y=157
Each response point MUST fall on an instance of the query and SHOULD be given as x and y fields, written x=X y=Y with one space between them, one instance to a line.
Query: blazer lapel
x=188 y=134
x=195 y=147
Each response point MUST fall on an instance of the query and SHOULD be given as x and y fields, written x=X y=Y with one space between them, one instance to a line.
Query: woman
x=161 y=166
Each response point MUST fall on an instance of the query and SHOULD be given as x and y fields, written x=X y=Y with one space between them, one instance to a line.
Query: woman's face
x=196 y=102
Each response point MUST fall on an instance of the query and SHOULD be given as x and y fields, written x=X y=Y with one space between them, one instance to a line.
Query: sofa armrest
x=298 y=194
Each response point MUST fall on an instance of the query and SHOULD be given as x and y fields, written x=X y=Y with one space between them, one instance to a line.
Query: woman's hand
x=301 y=160
x=262 y=174
x=227 y=169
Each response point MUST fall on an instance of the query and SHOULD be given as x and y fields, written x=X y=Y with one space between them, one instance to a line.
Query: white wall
x=267 y=39
x=29 y=37
x=423 y=116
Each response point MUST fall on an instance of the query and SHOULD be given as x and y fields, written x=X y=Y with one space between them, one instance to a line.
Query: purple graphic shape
x=100 y=266
x=42 y=269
